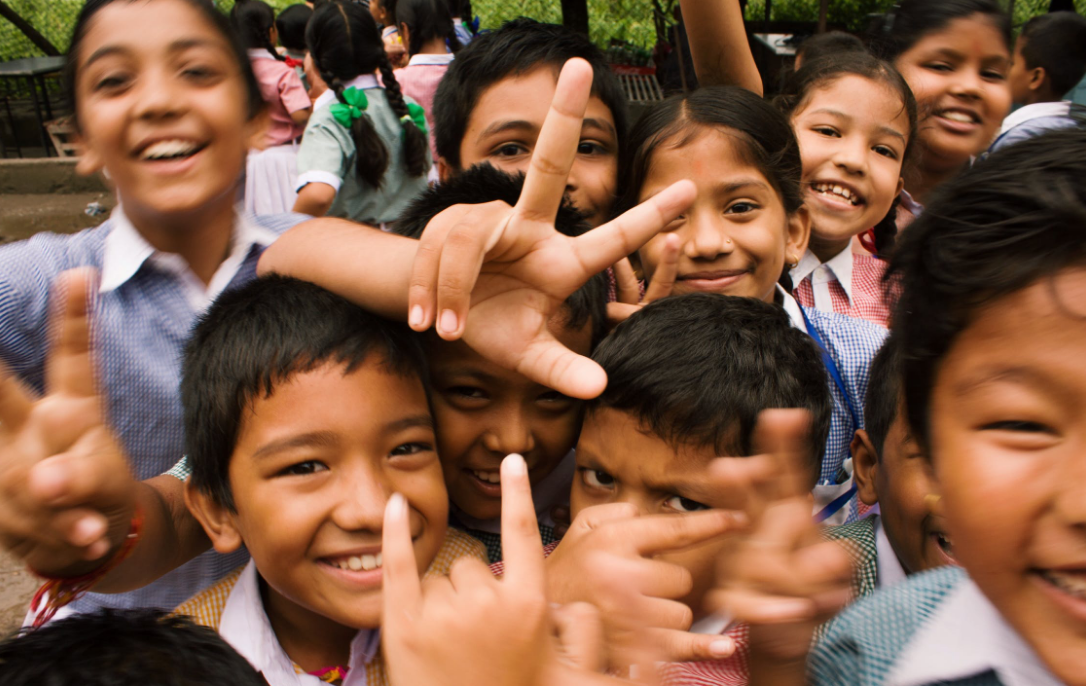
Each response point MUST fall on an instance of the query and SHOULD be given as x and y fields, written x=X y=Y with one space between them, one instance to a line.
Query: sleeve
x=321 y=157
x=292 y=93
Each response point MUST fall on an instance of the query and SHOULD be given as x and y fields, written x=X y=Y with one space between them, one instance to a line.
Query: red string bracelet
x=57 y=592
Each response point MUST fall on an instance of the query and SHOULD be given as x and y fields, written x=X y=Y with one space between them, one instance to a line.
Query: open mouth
x=355 y=563
x=838 y=192
x=171 y=149
x=1071 y=583
x=958 y=120
x=488 y=476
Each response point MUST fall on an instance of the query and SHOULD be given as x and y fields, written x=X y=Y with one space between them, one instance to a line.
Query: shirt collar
x=245 y=626
x=982 y=640
x=839 y=266
x=1040 y=109
x=890 y=571
x=360 y=82
x=430 y=59
x=550 y=491
x=792 y=308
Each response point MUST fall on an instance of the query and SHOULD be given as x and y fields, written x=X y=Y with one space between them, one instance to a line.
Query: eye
x=510 y=150
x=1017 y=426
x=304 y=468
x=992 y=75
x=885 y=151
x=411 y=449
x=682 y=504
x=111 y=82
x=742 y=207
x=594 y=478
x=939 y=66
x=826 y=131
x=554 y=397
x=469 y=392
x=590 y=148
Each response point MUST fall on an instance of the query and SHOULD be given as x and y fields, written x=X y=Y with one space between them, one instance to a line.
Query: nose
x=851 y=155
x=157 y=98
x=360 y=495
x=967 y=84
x=705 y=236
x=510 y=433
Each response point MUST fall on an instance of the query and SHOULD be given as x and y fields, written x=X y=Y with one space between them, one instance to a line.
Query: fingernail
x=723 y=647
x=397 y=506
x=447 y=323
x=516 y=465
x=415 y=320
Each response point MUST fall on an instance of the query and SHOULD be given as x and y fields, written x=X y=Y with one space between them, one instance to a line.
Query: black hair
x=763 y=136
x=1056 y=42
x=123 y=648
x=483 y=183
x=344 y=43
x=517 y=48
x=258 y=336
x=1017 y=217
x=427 y=19
x=698 y=369
x=206 y=9
x=253 y=20
x=829 y=43
x=883 y=392
x=291 y=24
x=909 y=21
x=822 y=72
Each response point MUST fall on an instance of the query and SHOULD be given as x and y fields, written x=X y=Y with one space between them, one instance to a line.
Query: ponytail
x=254 y=20
x=414 y=140
x=371 y=156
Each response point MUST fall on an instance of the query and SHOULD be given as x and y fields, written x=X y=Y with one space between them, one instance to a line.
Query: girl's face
x=1009 y=448
x=736 y=238
x=162 y=107
x=852 y=136
x=959 y=78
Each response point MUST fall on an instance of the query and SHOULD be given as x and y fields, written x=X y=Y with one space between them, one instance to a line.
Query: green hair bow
x=353 y=105
x=417 y=115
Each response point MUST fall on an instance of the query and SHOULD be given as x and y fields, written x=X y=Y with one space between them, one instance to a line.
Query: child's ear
x=88 y=160
x=217 y=520
x=799 y=234
x=1037 y=78
x=865 y=465
x=444 y=169
x=900 y=186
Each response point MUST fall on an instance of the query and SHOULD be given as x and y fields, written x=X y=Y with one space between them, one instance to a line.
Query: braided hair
x=428 y=19
x=344 y=43
x=253 y=20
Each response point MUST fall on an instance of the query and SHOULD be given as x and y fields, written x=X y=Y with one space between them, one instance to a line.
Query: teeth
x=489 y=477
x=944 y=543
x=356 y=563
x=959 y=117
x=168 y=149
x=1072 y=583
x=833 y=189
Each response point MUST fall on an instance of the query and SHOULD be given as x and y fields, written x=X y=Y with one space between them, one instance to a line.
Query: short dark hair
x=260 y=335
x=910 y=21
x=483 y=183
x=291 y=24
x=829 y=43
x=883 y=392
x=1056 y=42
x=428 y=20
x=699 y=368
x=123 y=648
x=763 y=135
x=518 y=47
x=1017 y=217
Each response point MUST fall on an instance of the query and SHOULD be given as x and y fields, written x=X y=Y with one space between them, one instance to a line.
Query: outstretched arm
x=718 y=44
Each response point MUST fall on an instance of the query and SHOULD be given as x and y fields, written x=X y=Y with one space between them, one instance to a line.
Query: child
x=1049 y=60
x=364 y=156
x=123 y=648
x=465 y=33
x=855 y=120
x=272 y=170
x=491 y=103
x=747 y=225
x=384 y=13
x=167 y=106
x=431 y=41
x=824 y=44
x=296 y=447
x=291 y=24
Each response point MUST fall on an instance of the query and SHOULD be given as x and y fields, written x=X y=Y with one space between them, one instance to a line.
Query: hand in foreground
x=495 y=275
x=472 y=628
x=628 y=289
x=66 y=493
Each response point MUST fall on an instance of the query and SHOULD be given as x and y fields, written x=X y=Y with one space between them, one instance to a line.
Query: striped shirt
x=849 y=283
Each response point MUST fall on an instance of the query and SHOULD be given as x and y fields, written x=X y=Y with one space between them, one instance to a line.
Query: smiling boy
x=296 y=447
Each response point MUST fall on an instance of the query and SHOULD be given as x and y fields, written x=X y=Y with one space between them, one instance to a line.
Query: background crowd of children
x=407 y=358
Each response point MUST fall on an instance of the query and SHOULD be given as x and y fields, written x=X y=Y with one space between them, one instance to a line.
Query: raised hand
x=495 y=274
x=628 y=289
x=66 y=493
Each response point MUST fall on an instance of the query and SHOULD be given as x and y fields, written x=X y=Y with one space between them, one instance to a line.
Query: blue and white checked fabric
x=140 y=328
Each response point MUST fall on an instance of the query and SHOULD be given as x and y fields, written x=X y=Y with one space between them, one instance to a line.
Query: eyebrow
x=176 y=46
x=886 y=130
x=1018 y=375
x=324 y=439
x=592 y=123
x=524 y=125
x=741 y=184
x=480 y=376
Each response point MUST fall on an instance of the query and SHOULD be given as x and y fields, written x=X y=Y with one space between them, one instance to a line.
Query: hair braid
x=371 y=156
x=414 y=142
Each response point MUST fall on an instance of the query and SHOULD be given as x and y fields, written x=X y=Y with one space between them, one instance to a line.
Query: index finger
x=663 y=279
x=68 y=368
x=781 y=434
x=401 y=586
x=522 y=547
x=556 y=147
x=662 y=533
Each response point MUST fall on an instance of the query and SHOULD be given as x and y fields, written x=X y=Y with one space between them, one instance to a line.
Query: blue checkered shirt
x=141 y=322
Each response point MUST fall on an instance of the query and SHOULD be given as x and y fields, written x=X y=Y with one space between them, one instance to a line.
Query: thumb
x=546 y=361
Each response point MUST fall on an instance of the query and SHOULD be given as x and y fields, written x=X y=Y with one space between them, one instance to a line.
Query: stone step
x=23 y=215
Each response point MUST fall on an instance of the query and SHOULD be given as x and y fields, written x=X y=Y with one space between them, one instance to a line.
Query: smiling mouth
x=1071 y=583
x=839 y=192
x=487 y=476
x=356 y=563
x=172 y=149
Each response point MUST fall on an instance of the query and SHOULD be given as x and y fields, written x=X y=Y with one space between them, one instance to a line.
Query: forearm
x=363 y=264
x=718 y=44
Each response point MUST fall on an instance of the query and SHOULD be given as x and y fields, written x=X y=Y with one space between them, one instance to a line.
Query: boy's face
x=620 y=462
x=1020 y=76
x=505 y=124
x=313 y=468
x=899 y=480
x=485 y=412
x=1008 y=436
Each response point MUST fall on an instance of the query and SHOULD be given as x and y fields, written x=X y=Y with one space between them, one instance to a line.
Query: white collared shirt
x=126 y=250
x=792 y=308
x=838 y=268
x=421 y=59
x=363 y=82
x=546 y=493
x=887 y=565
x=245 y=626
x=1023 y=114
x=967 y=636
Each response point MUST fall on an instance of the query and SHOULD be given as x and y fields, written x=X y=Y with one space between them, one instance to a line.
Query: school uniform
x=327 y=155
x=146 y=304
x=848 y=283
x=234 y=608
x=935 y=628
x=419 y=80
x=548 y=493
x=1033 y=120
x=284 y=93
